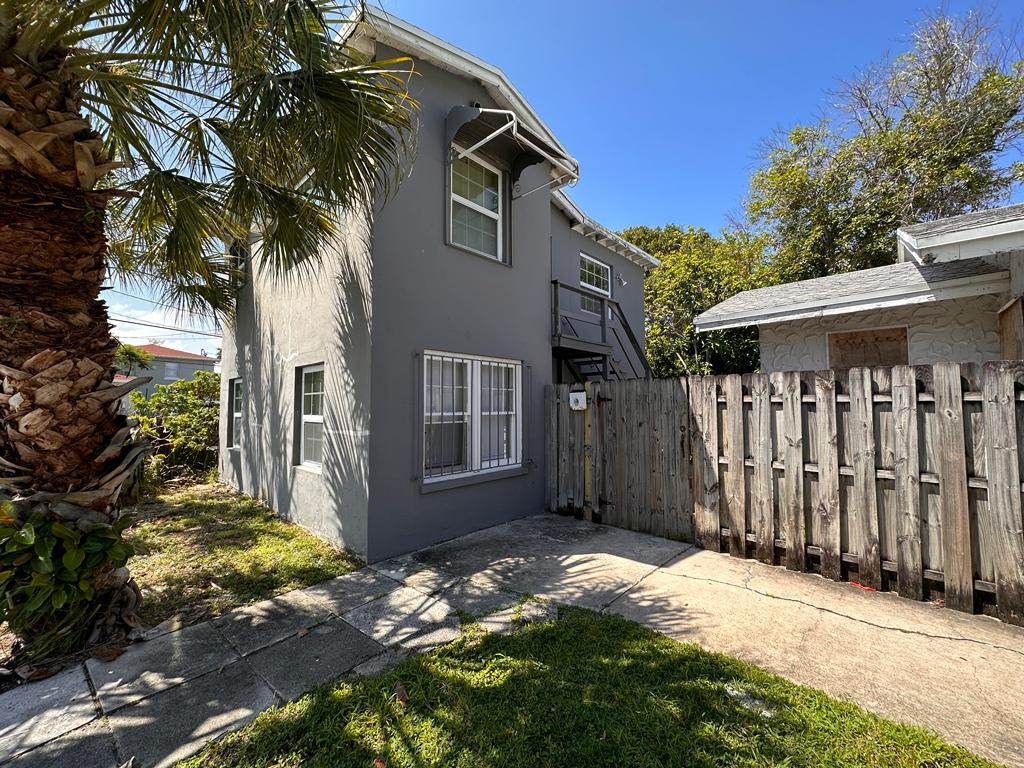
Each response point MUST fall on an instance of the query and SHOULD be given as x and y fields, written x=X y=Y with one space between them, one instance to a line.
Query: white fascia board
x=916 y=246
x=979 y=285
x=587 y=227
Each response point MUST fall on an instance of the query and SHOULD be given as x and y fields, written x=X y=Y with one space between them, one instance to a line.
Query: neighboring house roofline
x=904 y=284
x=399 y=34
x=601 y=235
x=915 y=240
x=160 y=352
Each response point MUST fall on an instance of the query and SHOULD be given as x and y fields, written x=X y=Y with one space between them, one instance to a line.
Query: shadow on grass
x=589 y=690
x=206 y=549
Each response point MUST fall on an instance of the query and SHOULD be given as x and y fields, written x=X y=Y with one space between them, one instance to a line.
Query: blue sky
x=665 y=104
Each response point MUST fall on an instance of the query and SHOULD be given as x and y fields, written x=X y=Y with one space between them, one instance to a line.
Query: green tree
x=697 y=271
x=213 y=120
x=129 y=358
x=933 y=133
x=182 y=420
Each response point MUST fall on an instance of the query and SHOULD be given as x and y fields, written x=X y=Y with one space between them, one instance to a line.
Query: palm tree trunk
x=64 y=449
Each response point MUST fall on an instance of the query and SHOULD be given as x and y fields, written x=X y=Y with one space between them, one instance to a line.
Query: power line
x=129 y=321
x=157 y=303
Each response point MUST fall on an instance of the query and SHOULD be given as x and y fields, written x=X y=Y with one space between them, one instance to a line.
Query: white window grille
x=595 y=276
x=234 y=437
x=472 y=415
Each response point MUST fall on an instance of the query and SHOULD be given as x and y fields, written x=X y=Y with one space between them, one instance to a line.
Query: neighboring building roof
x=390 y=30
x=980 y=233
x=157 y=350
x=891 y=286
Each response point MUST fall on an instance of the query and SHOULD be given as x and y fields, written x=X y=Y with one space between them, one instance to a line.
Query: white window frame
x=499 y=216
x=309 y=418
x=167 y=371
x=478 y=466
x=590 y=287
x=237 y=410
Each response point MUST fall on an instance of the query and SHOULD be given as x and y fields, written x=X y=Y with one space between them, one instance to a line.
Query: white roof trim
x=399 y=34
x=587 y=227
x=976 y=285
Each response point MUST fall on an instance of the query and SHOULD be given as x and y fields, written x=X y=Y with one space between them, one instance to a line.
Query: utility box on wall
x=577 y=401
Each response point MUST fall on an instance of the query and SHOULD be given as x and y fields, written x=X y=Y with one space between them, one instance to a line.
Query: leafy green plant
x=50 y=572
x=181 y=420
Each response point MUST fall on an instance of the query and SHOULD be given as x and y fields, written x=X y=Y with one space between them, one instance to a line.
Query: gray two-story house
x=394 y=398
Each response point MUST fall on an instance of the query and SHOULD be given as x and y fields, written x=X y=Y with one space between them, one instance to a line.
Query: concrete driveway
x=959 y=675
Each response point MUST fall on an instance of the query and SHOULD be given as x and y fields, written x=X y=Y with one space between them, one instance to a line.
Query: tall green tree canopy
x=697 y=271
x=128 y=358
x=932 y=133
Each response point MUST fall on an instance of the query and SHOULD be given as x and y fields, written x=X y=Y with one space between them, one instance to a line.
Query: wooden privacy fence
x=905 y=478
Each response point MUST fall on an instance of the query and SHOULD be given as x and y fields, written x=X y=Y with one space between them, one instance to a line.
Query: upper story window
x=311 y=427
x=477 y=204
x=595 y=276
x=235 y=425
x=171 y=372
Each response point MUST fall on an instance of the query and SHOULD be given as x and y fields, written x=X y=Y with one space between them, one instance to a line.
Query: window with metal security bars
x=594 y=276
x=477 y=200
x=311 y=431
x=236 y=413
x=472 y=415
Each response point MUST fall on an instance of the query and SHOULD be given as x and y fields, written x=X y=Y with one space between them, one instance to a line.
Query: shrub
x=182 y=421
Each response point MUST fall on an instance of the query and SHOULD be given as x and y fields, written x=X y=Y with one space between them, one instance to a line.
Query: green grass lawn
x=588 y=690
x=204 y=549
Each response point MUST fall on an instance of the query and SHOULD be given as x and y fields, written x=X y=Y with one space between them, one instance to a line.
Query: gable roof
x=156 y=350
x=890 y=286
x=979 y=233
x=376 y=24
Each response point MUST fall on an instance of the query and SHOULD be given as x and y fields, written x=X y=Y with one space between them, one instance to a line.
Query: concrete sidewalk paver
x=91 y=746
x=343 y=593
x=159 y=664
x=261 y=624
x=398 y=615
x=35 y=713
x=175 y=723
x=477 y=596
x=304 y=661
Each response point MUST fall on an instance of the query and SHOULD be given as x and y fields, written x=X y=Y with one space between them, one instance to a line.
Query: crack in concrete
x=745 y=586
x=654 y=569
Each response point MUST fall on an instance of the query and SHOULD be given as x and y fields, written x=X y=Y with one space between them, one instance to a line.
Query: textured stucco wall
x=959 y=330
x=285 y=322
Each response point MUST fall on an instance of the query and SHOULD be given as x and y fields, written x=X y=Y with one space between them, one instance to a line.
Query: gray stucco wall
x=299 y=319
x=959 y=330
x=428 y=295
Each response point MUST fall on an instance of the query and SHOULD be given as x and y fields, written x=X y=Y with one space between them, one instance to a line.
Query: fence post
x=827 y=506
x=762 y=514
x=1003 y=471
x=952 y=464
x=907 y=464
x=864 y=498
x=792 y=506
x=551 y=449
x=735 y=498
x=588 y=452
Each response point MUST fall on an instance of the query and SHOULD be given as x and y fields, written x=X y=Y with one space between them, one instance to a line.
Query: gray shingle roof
x=965 y=221
x=895 y=280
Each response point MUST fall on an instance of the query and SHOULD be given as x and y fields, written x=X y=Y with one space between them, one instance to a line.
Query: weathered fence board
x=907 y=479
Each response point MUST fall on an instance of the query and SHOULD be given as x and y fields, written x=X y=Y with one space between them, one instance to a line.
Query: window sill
x=475 y=479
x=313 y=469
x=478 y=254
